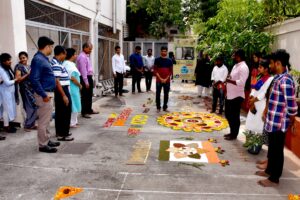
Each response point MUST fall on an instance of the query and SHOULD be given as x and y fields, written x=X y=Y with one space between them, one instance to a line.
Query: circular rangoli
x=193 y=121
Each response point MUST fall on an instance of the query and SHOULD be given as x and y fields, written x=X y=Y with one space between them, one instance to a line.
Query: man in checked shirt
x=280 y=114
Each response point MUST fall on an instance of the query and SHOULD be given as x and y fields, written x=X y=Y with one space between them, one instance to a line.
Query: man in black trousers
x=118 y=67
x=62 y=98
x=137 y=65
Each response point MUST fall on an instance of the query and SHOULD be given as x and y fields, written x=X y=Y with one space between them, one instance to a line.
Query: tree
x=238 y=24
x=164 y=13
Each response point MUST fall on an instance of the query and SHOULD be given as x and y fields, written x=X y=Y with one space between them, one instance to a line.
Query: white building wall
x=12 y=23
x=287 y=36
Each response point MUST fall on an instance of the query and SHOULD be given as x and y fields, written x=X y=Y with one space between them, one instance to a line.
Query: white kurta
x=7 y=95
x=254 y=122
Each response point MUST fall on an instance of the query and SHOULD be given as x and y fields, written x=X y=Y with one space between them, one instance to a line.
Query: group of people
x=161 y=67
x=66 y=80
x=272 y=103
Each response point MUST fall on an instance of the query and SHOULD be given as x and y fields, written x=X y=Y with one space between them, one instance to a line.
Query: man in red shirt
x=163 y=68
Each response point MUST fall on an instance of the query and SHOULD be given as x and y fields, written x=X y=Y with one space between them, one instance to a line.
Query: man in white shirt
x=218 y=76
x=118 y=67
x=148 y=70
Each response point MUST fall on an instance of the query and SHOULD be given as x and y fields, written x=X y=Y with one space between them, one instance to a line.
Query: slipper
x=267 y=183
x=262 y=173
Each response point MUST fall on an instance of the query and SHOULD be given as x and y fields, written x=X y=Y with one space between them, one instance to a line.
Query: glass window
x=184 y=53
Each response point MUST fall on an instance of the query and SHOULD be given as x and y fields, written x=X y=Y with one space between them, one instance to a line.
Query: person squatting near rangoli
x=218 y=77
x=163 y=69
x=279 y=114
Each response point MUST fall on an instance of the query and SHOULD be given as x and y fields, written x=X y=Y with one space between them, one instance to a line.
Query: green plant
x=253 y=139
x=238 y=24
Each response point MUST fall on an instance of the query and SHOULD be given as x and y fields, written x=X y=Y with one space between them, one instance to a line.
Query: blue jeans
x=166 y=87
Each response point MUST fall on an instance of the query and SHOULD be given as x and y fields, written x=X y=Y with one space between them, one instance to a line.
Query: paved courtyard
x=96 y=160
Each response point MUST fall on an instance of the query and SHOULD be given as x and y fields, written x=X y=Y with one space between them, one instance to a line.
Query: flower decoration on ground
x=294 y=196
x=193 y=121
x=224 y=162
x=219 y=150
x=212 y=140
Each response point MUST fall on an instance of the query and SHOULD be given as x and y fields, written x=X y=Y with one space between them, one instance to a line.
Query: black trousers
x=118 y=83
x=148 y=79
x=232 y=114
x=166 y=88
x=62 y=113
x=86 y=96
x=275 y=155
x=218 y=94
x=136 y=80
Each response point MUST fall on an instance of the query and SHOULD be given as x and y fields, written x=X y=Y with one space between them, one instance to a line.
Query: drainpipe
x=96 y=63
x=114 y=16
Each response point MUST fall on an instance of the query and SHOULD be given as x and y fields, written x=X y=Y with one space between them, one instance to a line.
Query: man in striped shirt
x=62 y=98
x=281 y=112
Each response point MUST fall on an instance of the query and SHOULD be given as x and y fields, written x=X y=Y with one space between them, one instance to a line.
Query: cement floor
x=102 y=171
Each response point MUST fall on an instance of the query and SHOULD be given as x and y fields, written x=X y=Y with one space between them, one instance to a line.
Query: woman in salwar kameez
x=22 y=71
x=7 y=92
x=75 y=85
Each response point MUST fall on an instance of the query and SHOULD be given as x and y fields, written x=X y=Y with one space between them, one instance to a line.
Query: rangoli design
x=186 y=151
x=111 y=119
x=136 y=125
x=122 y=118
x=193 y=121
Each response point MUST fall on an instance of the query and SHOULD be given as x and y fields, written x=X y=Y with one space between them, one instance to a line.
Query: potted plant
x=253 y=142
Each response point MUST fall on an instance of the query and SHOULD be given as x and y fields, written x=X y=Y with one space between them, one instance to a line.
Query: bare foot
x=262 y=166
x=261 y=162
x=262 y=173
x=267 y=183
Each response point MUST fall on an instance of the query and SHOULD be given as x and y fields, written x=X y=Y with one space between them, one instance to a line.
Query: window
x=184 y=53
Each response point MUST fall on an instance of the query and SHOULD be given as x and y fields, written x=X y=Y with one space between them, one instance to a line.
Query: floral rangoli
x=193 y=121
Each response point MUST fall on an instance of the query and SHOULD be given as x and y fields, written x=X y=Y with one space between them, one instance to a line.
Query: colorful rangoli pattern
x=122 y=118
x=136 y=125
x=111 y=119
x=186 y=151
x=193 y=121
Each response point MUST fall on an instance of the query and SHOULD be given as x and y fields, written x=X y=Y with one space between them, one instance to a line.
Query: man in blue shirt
x=136 y=65
x=43 y=83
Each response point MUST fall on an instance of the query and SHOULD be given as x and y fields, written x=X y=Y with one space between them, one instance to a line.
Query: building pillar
x=94 y=41
x=13 y=28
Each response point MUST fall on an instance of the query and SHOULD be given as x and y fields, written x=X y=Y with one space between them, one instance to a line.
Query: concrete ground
x=101 y=170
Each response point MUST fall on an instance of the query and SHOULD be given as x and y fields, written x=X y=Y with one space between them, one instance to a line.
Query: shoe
x=141 y=92
x=2 y=137
x=67 y=139
x=158 y=110
x=230 y=137
x=166 y=110
x=94 y=113
x=47 y=149
x=34 y=127
x=9 y=129
x=53 y=144
x=69 y=134
x=121 y=95
x=86 y=116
